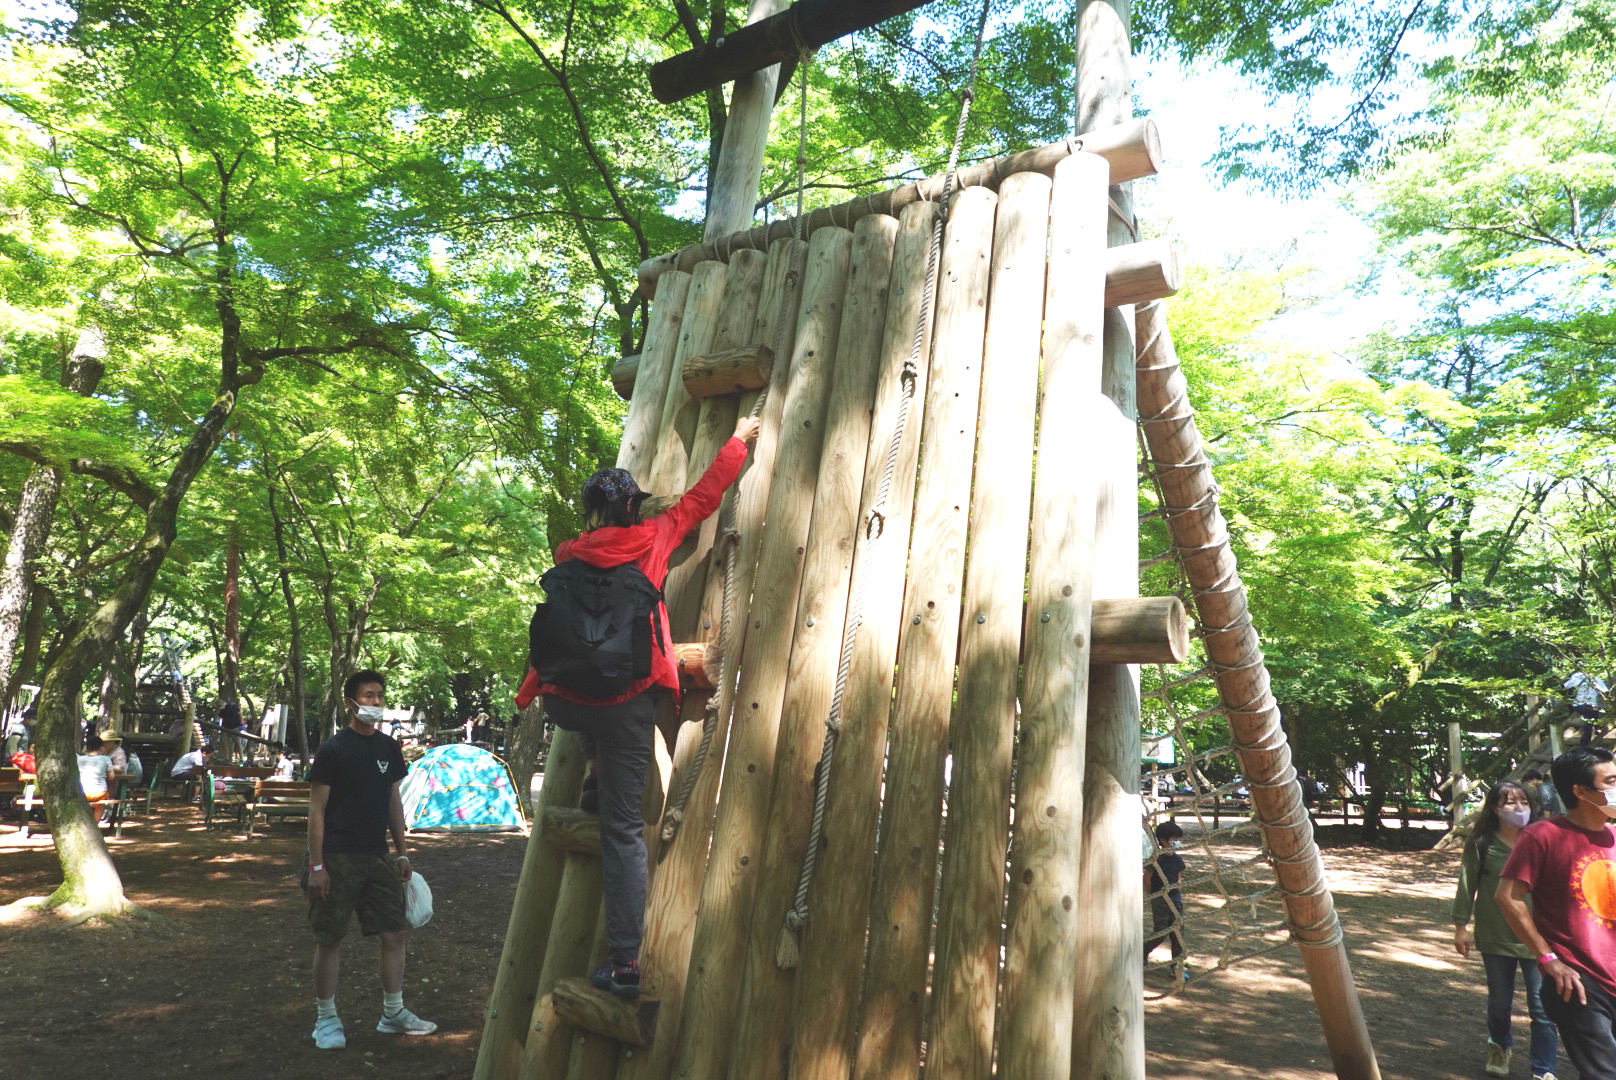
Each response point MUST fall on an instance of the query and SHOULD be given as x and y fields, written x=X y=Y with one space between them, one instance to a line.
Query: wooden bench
x=278 y=798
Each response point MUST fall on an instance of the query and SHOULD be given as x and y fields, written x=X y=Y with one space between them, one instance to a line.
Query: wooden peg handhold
x=583 y=1006
x=729 y=372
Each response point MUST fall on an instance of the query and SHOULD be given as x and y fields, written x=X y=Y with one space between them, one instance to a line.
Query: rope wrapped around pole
x=1200 y=539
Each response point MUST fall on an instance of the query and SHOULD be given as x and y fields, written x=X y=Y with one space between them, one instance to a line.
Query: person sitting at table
x=95 y=773
x=189 y=763
x=286 y=766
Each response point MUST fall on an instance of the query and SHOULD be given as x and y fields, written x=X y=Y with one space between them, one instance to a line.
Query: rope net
x=1228 y=907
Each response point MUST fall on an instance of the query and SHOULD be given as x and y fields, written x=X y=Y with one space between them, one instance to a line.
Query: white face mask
x=370 y=714
x=1608 y=805
x=1514 y=815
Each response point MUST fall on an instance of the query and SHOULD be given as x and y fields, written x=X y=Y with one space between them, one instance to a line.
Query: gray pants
x=618 y=739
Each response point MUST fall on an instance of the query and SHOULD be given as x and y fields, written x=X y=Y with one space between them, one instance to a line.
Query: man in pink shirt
x=1567 y=864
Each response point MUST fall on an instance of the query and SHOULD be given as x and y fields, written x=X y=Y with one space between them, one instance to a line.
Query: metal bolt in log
x=729 y=372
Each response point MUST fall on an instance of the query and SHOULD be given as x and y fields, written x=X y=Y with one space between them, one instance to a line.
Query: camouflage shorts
x=366 y=884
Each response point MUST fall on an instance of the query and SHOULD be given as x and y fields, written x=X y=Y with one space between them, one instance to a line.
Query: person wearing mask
x=1566 y=865
x=354 y=806
x=1506 y=811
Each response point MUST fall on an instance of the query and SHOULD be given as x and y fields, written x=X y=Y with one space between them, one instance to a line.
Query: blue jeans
x=1501 y=1002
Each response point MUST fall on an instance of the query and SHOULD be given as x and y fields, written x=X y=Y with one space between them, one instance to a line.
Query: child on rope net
x=606 y=693
x=1506 y=812
x=1567 y=864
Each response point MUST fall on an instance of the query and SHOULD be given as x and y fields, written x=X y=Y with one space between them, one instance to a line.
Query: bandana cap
x=611 y=486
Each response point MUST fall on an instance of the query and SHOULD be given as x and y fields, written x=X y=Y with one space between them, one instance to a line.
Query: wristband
x=1547 y=958
x=401 y=858
x=316 y=868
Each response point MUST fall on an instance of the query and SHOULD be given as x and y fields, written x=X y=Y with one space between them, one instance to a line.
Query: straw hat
x=111 y=736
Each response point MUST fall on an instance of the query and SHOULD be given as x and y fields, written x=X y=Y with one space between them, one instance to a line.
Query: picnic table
x=239 y=781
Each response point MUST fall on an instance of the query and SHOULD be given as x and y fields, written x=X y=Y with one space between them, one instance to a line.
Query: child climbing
x=600 y=651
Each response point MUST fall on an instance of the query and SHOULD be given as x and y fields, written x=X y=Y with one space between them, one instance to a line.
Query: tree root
x=46 y=913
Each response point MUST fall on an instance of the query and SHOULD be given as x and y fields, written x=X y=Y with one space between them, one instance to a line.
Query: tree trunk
x=232 y=622
x=33 y=635
x=89 y=880
x=526 y=741
x=110 y=692
x=295 y=643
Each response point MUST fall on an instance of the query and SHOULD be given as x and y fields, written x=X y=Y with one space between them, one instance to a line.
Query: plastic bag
x=417 y=901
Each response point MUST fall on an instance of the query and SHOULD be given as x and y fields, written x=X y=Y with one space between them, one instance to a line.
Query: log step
x=570 y=829
x=581 y=1005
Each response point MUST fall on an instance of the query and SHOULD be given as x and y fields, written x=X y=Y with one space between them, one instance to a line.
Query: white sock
x=392 y=1003
x=325 y=1008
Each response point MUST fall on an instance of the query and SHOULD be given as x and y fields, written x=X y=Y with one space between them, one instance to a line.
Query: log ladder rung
x=578 y=1003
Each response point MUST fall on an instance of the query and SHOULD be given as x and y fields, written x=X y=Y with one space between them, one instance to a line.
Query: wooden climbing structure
x=910 y=565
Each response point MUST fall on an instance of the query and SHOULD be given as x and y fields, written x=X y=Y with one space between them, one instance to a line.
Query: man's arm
x=319 y=880
x=395 y=825
x=1511 y=897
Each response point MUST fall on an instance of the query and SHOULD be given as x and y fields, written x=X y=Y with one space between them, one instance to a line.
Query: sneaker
x=405 y=1023
x=1497 y=1059
x=589 y=801
x=1544 y=1076
x=619 y=980
x=328 y=1034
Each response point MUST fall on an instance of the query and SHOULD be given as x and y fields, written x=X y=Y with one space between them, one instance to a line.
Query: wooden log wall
x=680 y=865
x=865 y=998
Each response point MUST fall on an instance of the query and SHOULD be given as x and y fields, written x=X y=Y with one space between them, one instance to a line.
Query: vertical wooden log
x=509 y=1014
x=969 y=915
x=572 y=937
x=1108 y=1037
x=676 y=885
x=591 y=1056
x=762 y=1034
x=1041 y=951
x=906 y=865
x=680 y=411
x=831 y=972
x=716 y=422
x=732 y=202
x=727 y=894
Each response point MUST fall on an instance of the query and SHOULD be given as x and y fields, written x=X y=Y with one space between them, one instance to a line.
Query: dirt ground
x=219 y=987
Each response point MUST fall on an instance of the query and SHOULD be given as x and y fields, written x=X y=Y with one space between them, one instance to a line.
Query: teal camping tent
x=460 y=786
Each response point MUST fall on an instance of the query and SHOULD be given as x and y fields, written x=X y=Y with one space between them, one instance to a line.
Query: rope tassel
x=788 y=950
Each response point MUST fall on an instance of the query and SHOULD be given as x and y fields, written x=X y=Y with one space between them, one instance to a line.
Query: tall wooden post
x=1108 y=1034
x=732 y=202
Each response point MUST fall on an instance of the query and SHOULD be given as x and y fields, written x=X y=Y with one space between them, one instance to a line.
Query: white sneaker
x=328 y=1034
x=1544 y=1076
x=405 y=1023
x=1497 y=1059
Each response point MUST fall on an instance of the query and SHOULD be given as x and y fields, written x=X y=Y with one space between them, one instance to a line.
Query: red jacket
x=648 y=545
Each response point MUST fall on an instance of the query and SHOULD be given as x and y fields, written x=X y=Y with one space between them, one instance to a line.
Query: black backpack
x=595 y=630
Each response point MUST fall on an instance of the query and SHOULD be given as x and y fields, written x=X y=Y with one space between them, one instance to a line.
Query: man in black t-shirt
x=353 y=805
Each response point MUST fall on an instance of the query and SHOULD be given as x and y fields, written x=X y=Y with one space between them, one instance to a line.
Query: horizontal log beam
x=1132 y=150
x=1140 y=630
x=581 y=1005
x=570 y=829
x=730 y=372
x=768 y=42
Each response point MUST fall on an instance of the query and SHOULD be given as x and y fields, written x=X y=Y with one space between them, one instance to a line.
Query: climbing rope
x=729 y=535
x=788 y=950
